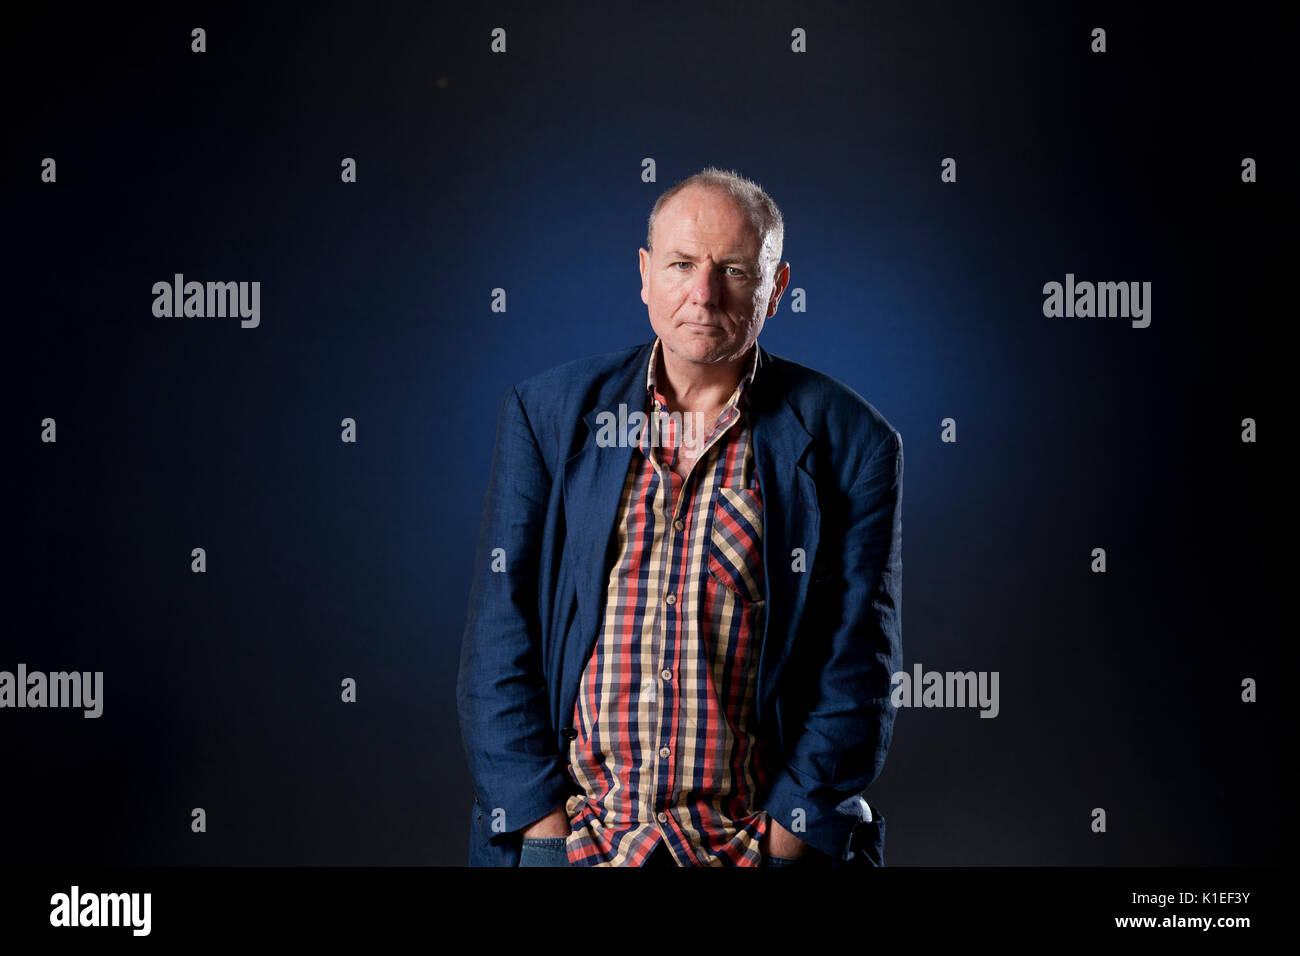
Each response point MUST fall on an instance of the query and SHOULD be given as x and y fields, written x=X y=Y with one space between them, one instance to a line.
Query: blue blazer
x=831 y=471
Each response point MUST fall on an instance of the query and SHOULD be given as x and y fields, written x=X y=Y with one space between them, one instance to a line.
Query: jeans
x=543 y=851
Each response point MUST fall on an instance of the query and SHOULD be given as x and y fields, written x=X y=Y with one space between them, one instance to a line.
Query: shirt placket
x=671 y=509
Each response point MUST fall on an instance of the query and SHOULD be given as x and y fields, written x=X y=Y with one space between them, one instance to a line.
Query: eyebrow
x=734 y=259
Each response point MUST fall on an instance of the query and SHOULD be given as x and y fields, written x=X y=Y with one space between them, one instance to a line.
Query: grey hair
x=750 y=196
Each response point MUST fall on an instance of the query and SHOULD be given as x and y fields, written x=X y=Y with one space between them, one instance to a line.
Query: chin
x=696 y=350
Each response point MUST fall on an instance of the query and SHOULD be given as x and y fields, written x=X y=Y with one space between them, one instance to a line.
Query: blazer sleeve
x=519 y=775
x=850 y=721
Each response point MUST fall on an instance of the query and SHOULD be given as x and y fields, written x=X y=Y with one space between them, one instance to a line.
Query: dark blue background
x=522 y=171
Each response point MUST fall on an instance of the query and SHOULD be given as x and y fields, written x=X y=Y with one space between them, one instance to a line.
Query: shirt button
x=671 y=599
x=666 y=674
x=663 y=751
x=679 y=524
x=662 y=818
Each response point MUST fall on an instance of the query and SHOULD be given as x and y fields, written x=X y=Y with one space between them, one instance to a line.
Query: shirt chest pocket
x=736 y=543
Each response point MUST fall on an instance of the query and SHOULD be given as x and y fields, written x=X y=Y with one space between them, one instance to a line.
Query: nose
x=704 y=289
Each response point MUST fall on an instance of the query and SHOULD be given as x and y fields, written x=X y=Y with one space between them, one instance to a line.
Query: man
x=685 y=610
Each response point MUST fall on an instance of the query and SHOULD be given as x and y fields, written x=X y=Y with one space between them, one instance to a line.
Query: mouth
x=702 y=325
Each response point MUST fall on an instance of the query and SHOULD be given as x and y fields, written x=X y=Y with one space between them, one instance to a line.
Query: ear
x=778 y=287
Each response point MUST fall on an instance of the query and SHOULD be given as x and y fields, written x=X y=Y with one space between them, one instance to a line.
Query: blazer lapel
x=593 y=483
x=791 y=519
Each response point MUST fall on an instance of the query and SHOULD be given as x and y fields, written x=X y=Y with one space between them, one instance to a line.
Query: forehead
x=705 y=215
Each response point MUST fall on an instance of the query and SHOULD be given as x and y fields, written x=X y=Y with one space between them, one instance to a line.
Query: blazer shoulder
x=578 y=376
x=555 y=401
x=830 y=409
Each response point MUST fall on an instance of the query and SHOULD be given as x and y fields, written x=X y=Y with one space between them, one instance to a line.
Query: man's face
x=704 y=287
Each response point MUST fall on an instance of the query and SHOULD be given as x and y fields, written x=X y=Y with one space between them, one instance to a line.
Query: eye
x=736 y=273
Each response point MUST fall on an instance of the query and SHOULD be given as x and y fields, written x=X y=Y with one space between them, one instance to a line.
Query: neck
x=690 y=386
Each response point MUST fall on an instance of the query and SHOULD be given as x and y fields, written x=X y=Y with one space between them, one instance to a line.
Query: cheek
x=741 y=303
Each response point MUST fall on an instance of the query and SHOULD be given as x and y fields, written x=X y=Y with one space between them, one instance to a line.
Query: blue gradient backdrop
x=522 y=171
